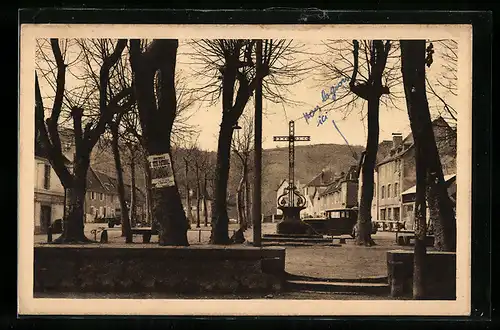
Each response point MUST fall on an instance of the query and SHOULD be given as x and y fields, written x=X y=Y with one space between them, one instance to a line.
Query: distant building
x=102 y=200
x=395 y=173
x=342 y=193
x=313 y=190
x=408 y=199
x=49 y=193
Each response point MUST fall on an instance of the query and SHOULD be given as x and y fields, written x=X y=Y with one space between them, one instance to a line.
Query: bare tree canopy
x=90 y=101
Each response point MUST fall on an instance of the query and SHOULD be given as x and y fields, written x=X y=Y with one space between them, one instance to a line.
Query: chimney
x=397 y=139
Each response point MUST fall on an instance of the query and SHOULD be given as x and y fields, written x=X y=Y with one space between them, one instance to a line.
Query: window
x=396 y=190
x=382 y=214
x=335 y=215
x=382 y=192
x=396 y=214
x=46 y=176
x=389 y=190
x=389 y=214
x=92 y=195
x=101 y=196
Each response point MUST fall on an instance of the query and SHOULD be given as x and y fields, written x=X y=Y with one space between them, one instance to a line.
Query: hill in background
x=309 y=161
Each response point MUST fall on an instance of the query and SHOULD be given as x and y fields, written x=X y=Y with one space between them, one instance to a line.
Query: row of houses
x=101 y=200
x=395 y=179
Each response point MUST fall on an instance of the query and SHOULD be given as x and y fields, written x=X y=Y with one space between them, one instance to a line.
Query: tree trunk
x=220 y=220
x=239 y=203
x=147 y=179
x=419 y=271
x=440 y=206
x=197 y=196
x=157 y=115
x=205 y=211
x=364 y=223
x=121 y=186
x=73 y=229
x=133 y=193
x=247 y=202
x=413 y=70
x=188 y=195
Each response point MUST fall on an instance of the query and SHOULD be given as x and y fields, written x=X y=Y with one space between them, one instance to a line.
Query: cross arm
x=281 y=138
x=302 y=138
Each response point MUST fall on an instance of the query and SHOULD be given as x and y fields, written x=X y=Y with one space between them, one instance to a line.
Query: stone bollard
x=104 y=236
x=49 y=234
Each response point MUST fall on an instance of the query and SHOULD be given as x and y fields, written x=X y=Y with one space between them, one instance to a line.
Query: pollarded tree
x=227 y=68
x=157 y=111
x=369 y=81
x=90 y=100
x=182 y=130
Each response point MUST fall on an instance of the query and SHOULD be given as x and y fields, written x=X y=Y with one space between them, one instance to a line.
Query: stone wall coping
x=155 y=246
x=412 y=252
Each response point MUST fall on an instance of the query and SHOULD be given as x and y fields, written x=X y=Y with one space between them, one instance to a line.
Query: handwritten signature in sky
x=322 y=117
x=333 y=90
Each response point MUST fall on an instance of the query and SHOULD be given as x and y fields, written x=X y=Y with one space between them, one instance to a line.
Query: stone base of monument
x=160 y=269
x=293 y=237
x=296 y=227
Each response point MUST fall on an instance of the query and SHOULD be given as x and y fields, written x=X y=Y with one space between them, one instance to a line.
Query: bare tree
x=228 y=66
x=369 y=79
x=443 y=87
x=414 y=57
x=93 y=78
x=181 y=132
x=242 y=147
x=157 y=111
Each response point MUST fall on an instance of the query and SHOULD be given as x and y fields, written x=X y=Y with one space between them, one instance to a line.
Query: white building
x=49 y=195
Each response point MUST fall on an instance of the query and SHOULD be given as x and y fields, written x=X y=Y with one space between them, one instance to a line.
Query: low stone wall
x=196 y=269
x=440 y=270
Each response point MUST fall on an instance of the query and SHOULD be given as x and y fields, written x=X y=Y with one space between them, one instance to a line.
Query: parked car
x=336 y=222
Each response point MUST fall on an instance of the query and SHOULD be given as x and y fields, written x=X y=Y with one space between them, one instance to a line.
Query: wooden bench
x=145 y=232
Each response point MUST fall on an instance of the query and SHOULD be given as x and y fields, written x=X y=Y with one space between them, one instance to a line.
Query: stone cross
x=291 y=138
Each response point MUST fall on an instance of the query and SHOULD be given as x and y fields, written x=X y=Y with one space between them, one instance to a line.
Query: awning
x=413 y=190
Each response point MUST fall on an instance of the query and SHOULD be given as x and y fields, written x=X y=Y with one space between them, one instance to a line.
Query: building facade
x=312 y=192
x=49 y=195
x=342 y=193
x=102 y=199
x=396 y=173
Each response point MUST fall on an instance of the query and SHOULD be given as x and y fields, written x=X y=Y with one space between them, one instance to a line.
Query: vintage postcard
x=245 y=170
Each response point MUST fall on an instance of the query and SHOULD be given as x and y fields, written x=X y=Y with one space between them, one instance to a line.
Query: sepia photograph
x=245 y=170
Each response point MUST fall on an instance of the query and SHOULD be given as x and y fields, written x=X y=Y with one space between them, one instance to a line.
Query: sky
x=308 y=93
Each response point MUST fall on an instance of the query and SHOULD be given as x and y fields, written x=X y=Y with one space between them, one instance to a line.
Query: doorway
x=45 y=216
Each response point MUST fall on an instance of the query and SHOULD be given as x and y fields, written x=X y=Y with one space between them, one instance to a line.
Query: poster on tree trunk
x=162 y=174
